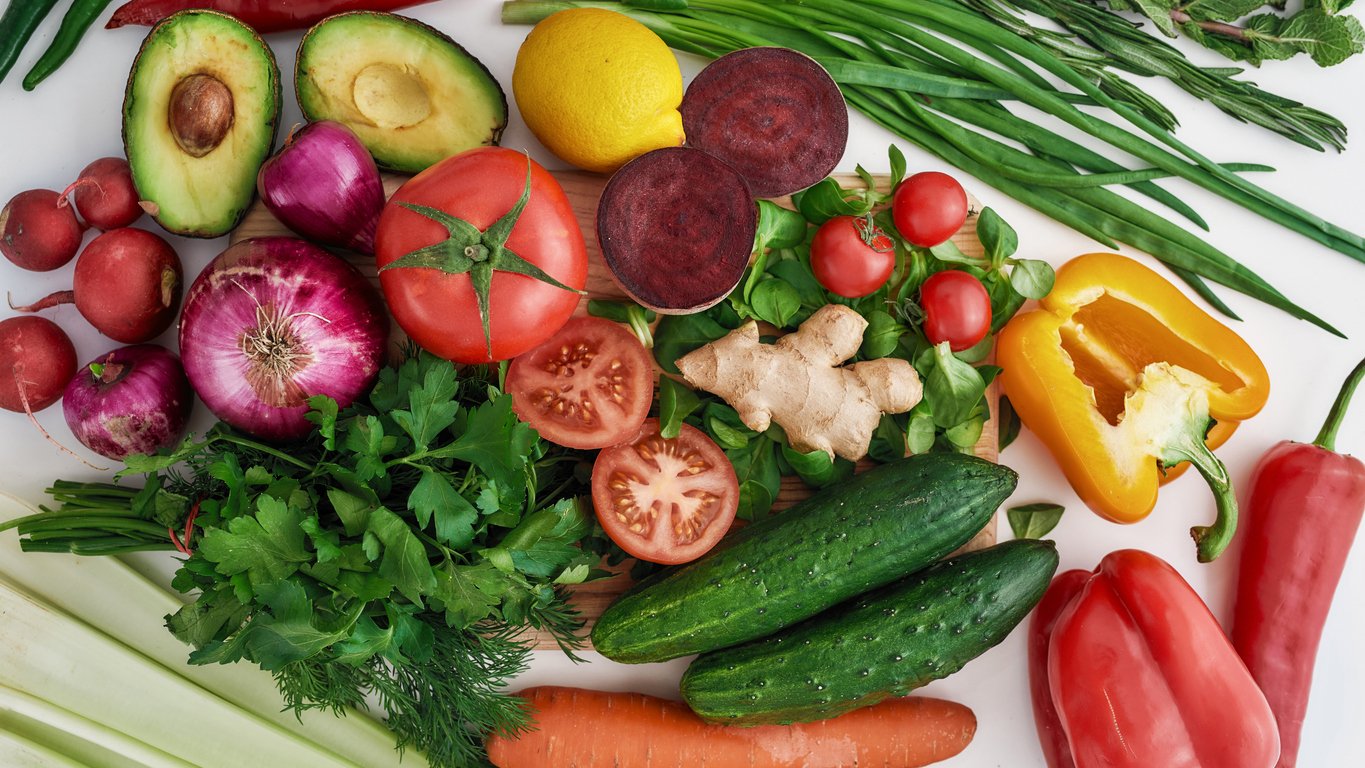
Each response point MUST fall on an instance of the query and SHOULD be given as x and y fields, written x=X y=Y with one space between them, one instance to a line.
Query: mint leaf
x=1034 y=521
x=405 y=558
x=270 y=545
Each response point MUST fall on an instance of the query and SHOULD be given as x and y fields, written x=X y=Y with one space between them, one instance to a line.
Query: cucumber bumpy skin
x=883 y=644
x=879 y=526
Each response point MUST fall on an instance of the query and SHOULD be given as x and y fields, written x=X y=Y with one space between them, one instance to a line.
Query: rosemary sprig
x=1126 y=46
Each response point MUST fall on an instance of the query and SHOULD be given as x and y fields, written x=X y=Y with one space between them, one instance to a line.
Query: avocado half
x=199 y=118
x=412 y=95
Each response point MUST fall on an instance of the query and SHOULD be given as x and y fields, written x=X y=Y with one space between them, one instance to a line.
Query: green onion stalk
x=943 y=76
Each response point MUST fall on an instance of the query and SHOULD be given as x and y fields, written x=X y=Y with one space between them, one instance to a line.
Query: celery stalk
x=105 y=593
x=81 y=741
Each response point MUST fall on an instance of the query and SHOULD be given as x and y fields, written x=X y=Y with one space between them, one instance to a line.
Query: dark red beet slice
x=774 y=114
x=676 y=227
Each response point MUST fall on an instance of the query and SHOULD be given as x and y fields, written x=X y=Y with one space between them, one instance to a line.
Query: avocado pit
x=201 y=113
x=390 y=97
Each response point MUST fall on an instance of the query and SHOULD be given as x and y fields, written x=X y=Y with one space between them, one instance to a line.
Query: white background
x=47 y=136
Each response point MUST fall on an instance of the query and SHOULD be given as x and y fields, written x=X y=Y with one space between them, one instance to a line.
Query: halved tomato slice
x=665 y=500
x=589 y=386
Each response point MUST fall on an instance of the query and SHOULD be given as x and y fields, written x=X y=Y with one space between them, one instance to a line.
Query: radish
x=104 y=194
x=38 y=232
x=36 y=362
x=127 y=285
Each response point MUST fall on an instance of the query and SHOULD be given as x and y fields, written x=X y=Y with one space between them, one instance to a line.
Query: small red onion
x=273 y=321
x=325 y=186
x=132 y=400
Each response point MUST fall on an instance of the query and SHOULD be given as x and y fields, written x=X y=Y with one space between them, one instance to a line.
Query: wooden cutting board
x=583 y=190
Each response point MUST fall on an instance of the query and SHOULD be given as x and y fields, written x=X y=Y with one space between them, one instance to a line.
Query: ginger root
x=797 y=383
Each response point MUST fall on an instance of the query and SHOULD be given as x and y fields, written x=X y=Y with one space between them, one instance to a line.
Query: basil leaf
x=953 y=388
x=1032 y=278
x=779 y=227
x=775 y=301
x=676 y=335
x=676 y=402
x=888 y=441
x=897 y=165
x=999 y=238
x=1009 y=423
x=947 y=251
x=882 y=335
x=826 y=200
x=1033 y=521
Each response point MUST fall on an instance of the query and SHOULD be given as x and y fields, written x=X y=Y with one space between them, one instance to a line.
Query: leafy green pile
x=781 y=290
x=1235 y=30
x=396 y=554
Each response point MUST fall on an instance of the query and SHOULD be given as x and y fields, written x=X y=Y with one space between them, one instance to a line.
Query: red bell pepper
x=1306 y=505
x=261 y=15
x=1142 y=676
x=1059 y=595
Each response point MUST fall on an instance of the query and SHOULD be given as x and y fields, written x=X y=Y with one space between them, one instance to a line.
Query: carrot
x=598 y=729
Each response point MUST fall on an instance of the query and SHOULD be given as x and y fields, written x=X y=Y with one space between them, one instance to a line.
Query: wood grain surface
x=583 y=190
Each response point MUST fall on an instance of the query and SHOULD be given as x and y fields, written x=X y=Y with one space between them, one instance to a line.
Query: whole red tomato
x=439 y=308
x=957 y=309
x=928 y=208
x=851 y=256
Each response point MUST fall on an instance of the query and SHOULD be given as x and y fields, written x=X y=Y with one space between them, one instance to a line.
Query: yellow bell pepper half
x=1120 y=374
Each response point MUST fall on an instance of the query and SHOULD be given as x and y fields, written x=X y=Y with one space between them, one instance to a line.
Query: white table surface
x=47 y=136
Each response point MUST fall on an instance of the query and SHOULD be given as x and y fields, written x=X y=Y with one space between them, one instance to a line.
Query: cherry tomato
x=665 y=500
x=928 y=208
x=851 y=256
x=957 y=309
x=440 y=311
x=589 y=386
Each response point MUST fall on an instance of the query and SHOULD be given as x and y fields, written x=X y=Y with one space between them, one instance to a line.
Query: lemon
x=598 y=88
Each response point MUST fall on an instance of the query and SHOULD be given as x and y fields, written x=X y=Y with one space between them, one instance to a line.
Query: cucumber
x=878 y=527
x=883 y=644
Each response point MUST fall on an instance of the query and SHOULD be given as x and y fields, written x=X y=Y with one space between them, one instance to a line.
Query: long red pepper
x=1306 y=505
x=261 y=15
x=1051 y=737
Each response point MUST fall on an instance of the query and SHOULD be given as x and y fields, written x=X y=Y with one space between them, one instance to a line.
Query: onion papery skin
x=324 y=185
x=273 y=321
x=139 y=402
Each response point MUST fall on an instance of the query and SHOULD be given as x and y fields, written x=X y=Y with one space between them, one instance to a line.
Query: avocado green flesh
x=412 y=95
x=883 y=644
x=200 y=196
x=878 y=527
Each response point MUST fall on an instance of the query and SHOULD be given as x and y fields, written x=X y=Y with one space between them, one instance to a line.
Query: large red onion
x=325 y=186
x=132 y=400
x=273 y=321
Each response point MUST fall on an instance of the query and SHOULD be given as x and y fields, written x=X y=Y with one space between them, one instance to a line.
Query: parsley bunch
x=397 y=554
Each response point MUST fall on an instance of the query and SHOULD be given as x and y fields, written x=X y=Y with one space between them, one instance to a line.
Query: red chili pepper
x=1306 y=505
x=1059 y=595
x=261 y=15
x=1142 y=676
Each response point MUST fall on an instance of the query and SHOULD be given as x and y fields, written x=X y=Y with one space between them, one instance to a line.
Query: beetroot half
x=773 y=114
x=676 y=227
